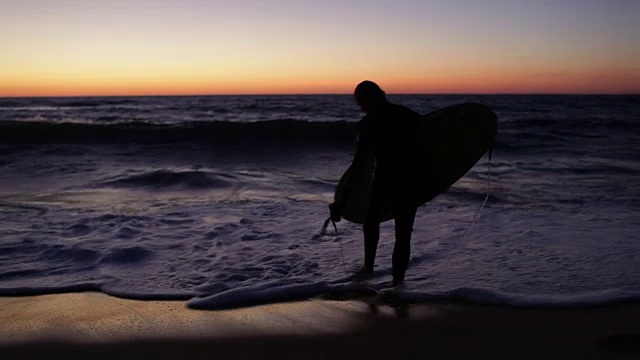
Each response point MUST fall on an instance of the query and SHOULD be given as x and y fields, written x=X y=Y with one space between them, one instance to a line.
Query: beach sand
x=96 y=326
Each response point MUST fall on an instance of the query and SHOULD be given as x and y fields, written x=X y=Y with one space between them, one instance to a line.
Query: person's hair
x=368 y=91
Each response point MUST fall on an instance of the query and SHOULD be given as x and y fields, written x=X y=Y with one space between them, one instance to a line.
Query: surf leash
x=486 y=198
x=323 y=231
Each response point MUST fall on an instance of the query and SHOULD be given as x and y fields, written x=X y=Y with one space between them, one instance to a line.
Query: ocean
x=219 y=201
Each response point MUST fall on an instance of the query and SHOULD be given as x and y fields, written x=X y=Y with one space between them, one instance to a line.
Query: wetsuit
x=389 y=131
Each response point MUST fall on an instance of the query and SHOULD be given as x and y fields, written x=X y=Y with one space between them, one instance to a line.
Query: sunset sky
x=145 y=47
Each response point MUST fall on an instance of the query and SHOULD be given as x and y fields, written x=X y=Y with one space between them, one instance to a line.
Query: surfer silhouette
x=388 y=130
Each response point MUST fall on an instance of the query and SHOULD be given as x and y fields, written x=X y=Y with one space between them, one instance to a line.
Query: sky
x=189 y=47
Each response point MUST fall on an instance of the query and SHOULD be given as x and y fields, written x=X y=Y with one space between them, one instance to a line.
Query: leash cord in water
x=323 y=232
x=475 y=217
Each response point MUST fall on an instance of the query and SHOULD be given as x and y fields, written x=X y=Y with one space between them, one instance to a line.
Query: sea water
x=219 y=201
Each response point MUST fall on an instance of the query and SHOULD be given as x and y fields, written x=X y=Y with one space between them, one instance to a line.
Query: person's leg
x=404 y=218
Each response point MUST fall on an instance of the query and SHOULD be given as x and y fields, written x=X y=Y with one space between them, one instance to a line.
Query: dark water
x=185 y=197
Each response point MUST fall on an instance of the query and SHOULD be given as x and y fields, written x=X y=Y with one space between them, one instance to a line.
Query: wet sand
x=97 y=326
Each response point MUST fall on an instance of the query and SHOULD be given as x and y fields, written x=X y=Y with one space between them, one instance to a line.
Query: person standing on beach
x=388 y=130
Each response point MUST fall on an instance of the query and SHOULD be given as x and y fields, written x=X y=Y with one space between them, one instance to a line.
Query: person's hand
x=335 y=210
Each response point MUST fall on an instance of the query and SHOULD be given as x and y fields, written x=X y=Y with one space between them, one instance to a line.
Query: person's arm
x=362 y=147
x=359 y=156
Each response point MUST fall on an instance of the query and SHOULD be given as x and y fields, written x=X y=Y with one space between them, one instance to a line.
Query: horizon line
x=323 y=94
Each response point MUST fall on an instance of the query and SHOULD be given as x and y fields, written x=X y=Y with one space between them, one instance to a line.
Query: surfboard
x=451 y=141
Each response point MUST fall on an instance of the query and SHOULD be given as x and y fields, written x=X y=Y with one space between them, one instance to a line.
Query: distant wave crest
x=212 y=133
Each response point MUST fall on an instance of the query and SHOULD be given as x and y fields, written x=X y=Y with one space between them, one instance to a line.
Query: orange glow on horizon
x=490 y=82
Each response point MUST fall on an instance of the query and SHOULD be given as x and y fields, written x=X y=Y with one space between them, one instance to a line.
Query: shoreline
x=82 y=325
